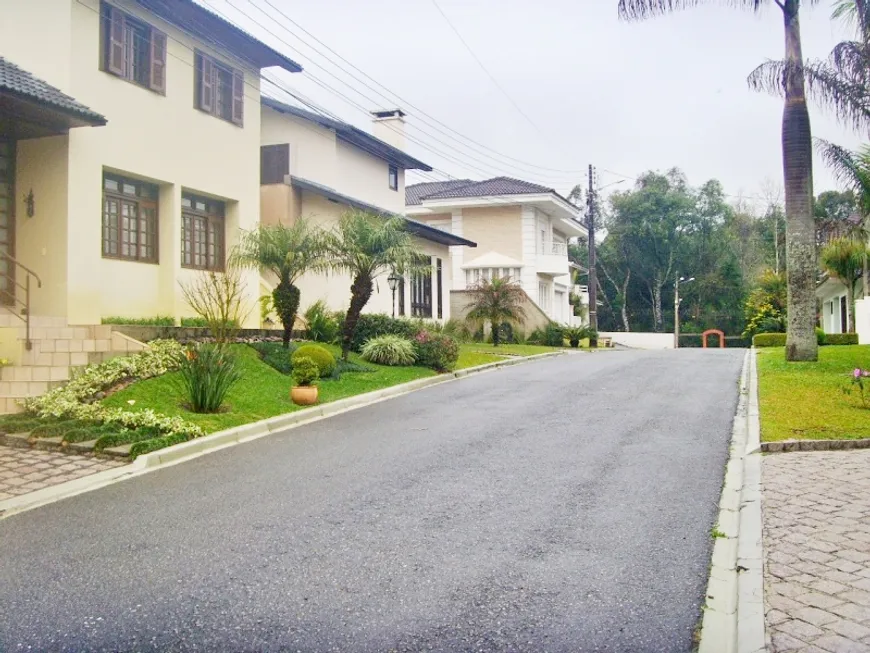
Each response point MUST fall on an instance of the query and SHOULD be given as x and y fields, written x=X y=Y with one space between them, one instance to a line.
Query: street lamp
x=393 y=281
x=677 y=307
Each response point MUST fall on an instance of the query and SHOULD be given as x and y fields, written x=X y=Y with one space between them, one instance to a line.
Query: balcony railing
x=554 y=248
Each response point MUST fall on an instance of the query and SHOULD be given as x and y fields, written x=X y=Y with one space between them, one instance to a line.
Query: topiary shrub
x=305 y=371
x=821 y=336
x=320 y=355
x=372 y=325
x=389 y=350
x=436 y=350
x=768 y=340
x=841 y=339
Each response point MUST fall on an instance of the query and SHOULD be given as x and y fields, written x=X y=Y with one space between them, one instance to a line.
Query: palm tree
x=801 y=343
x=497 y=301
x=366 y=246
x=853 y=170
x=843 y=258
x=288 y=252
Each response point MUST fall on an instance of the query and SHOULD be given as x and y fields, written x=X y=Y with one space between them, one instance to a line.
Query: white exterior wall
x=334 y=288
x=366 y=177
x=641 y=340
x=830 y=295
x=313 y=149
x=862 y=321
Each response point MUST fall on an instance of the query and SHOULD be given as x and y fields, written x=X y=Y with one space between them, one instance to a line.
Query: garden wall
x=640 y=340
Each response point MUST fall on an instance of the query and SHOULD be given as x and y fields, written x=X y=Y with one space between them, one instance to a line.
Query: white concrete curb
x=733 y=620
x=185 y=451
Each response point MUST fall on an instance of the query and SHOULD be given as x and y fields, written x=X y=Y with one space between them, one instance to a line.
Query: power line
x=463 y=138
x=484 y=68
x=478 y=166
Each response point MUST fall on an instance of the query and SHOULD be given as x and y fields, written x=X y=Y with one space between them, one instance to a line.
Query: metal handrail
x=28 y=343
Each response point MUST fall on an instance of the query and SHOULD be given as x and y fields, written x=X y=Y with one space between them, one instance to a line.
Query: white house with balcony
x=521 y=230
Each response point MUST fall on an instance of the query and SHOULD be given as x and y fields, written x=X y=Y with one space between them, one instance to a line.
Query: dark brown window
x=393 y=178
x=129 y=219
x=421 y=292
x=439 y=287
x=274 y=163
x=132 y=49
x=220 y=90
x=202 y=233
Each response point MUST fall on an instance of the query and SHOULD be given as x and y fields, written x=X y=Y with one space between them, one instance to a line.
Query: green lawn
x=480 y=353
x=263 y=391
x=806 y=400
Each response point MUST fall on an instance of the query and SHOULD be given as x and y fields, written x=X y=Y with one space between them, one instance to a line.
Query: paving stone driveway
x=817 y=543
x=28 y=470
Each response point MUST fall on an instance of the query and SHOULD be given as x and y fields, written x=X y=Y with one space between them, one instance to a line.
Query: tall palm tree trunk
x=797 y=155
x=496 y=332
x=286 y=299
x=360 y=293
x=850 y=298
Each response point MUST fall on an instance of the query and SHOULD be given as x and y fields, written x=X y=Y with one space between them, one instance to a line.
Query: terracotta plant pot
x=304 y=395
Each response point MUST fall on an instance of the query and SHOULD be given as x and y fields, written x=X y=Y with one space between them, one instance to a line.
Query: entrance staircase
x=55 y=351
x=43 y=352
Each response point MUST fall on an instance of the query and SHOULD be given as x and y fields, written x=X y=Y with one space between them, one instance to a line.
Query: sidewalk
x=816 y=508
x=28 y=470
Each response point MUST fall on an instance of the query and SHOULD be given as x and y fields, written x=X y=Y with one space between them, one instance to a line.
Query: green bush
x=159 y=320
x=372 y=325
x=207 y=373
x=841 y=339
x=321 y=356
x=389 y=350
x=436 y=350
x=85 y=433
x=768 y=340
x=323 y=326
x=275 y=356
x=305 y=371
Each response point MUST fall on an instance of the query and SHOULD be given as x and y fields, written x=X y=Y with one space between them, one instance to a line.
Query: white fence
x=641 y=340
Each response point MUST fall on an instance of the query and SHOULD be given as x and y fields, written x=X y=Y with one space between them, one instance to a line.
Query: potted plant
x=574 y=335
x=305 y=373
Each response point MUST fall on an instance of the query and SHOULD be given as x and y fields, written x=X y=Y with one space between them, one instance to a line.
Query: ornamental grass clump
x=389 y=350
x=207 y=373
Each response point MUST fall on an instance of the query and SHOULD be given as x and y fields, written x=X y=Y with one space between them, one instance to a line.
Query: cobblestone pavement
x=817 y=544
x=28 y=470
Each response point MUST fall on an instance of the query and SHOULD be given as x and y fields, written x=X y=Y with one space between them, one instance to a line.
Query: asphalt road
x=561 y=506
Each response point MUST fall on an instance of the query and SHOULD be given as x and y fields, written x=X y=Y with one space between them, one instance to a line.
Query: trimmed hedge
x=147 y=446
x=768 y=340
x=841 y=338
x=778 y=339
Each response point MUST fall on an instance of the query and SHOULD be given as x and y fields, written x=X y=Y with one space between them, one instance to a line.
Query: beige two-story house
x=129 y=160
x=318 y=167
x=522 y=231
x=129 y=151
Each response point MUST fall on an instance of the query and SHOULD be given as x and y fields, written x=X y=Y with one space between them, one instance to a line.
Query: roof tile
x=20 y=82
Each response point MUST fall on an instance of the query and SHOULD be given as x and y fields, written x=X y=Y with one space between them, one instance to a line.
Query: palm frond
x=369 y=244
x=642 y=9
x=287 y=251
x=849 y=101
x=851 y=168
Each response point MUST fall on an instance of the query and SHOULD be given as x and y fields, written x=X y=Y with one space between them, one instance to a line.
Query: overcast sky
x=626 y=97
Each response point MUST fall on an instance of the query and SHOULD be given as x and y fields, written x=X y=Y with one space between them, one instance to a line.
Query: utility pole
x=593 y=277
x=677 y=312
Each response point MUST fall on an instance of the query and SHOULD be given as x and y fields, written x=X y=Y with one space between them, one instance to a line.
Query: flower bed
x=79 y=399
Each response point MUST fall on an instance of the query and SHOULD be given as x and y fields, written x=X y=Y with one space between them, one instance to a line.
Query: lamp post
x=677 y=307
x=393 y=281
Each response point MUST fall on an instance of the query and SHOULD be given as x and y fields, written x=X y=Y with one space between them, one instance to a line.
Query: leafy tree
x=801 y=341
x=497 y=301
x=766 y=306
x=843 y=258
x=853 y=170
x=366 y=246
x=288 y=252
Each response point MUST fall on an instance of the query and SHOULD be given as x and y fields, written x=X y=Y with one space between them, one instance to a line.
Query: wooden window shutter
x=205 y=69
x=238 y=97
x=158 y=61
x=115 y=59
x=274 y=163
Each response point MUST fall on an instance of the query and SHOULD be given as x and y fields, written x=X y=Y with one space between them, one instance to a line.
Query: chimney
x=389 y=126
